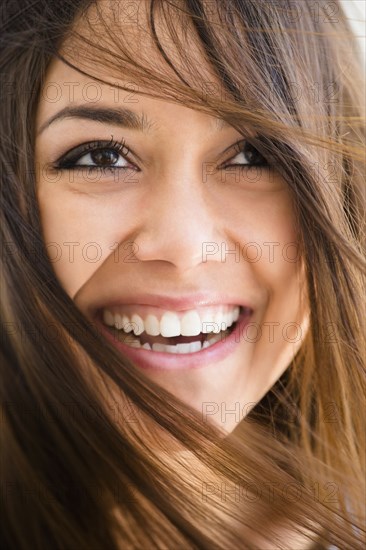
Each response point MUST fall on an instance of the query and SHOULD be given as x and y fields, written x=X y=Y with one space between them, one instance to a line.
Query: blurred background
x=356 y=12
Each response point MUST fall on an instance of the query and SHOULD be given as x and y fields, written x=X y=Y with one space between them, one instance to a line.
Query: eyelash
x=68 y=161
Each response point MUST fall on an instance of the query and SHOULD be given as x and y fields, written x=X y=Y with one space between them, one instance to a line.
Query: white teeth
x=159 y=347
x=127 y=326
x=126 y=323
x=138 y=324
x=118 y=322
x=208 y=322
x=108 y=318
x=236 y=313
x=208 y=326
x=152 y=325
x=228 y=320
x=220 y=323
x=169 y=324
x=171 y=349
x=191 y=347
x=195 y=346
x=190 y=324
x=183 y=348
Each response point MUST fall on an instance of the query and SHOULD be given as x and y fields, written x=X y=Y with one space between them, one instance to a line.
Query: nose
x=179 y=222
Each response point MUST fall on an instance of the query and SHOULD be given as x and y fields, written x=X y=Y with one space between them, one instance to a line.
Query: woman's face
x=172 y=238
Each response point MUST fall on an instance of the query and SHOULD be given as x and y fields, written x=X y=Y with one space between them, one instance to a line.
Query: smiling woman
x=182 y=210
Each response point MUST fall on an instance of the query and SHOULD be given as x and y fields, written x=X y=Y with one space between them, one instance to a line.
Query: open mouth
x=190 y=331
x=170 y=344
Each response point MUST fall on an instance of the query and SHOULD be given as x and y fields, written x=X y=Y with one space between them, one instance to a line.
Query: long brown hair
x=74 y=473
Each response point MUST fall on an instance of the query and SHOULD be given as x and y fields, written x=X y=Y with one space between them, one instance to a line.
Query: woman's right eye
x=97 y=155
x=101 y=157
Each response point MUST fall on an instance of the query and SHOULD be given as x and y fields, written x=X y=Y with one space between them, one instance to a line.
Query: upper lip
x=182 y=302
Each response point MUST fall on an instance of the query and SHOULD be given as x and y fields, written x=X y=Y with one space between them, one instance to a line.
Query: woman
x=182 y=209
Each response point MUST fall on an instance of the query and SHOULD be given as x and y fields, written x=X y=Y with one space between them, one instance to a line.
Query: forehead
x=113 y=36
x=106 y=45
x=79 y=96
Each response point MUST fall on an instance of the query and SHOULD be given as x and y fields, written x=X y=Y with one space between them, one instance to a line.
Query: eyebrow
x=119 y=116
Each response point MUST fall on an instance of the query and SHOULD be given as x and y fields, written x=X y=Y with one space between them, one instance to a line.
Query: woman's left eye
x=248 y=156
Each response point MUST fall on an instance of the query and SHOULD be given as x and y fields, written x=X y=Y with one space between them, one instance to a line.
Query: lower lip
x=173 y=361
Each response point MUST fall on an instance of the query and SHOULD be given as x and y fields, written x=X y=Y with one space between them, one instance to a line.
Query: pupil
x=104 y=157
x=252 y=154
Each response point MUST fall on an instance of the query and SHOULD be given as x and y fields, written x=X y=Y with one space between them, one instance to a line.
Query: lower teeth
x=191 y=347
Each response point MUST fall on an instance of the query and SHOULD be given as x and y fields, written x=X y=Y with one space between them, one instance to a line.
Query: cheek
x=80 y=232
x=264 y=226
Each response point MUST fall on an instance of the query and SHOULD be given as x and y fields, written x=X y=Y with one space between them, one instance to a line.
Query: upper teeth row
x=191 y=323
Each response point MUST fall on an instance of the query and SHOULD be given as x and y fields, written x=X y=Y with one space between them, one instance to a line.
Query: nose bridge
x=178 y=222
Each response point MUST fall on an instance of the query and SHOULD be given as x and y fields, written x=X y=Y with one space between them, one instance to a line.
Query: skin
x=169 y=213
x=168 y=210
